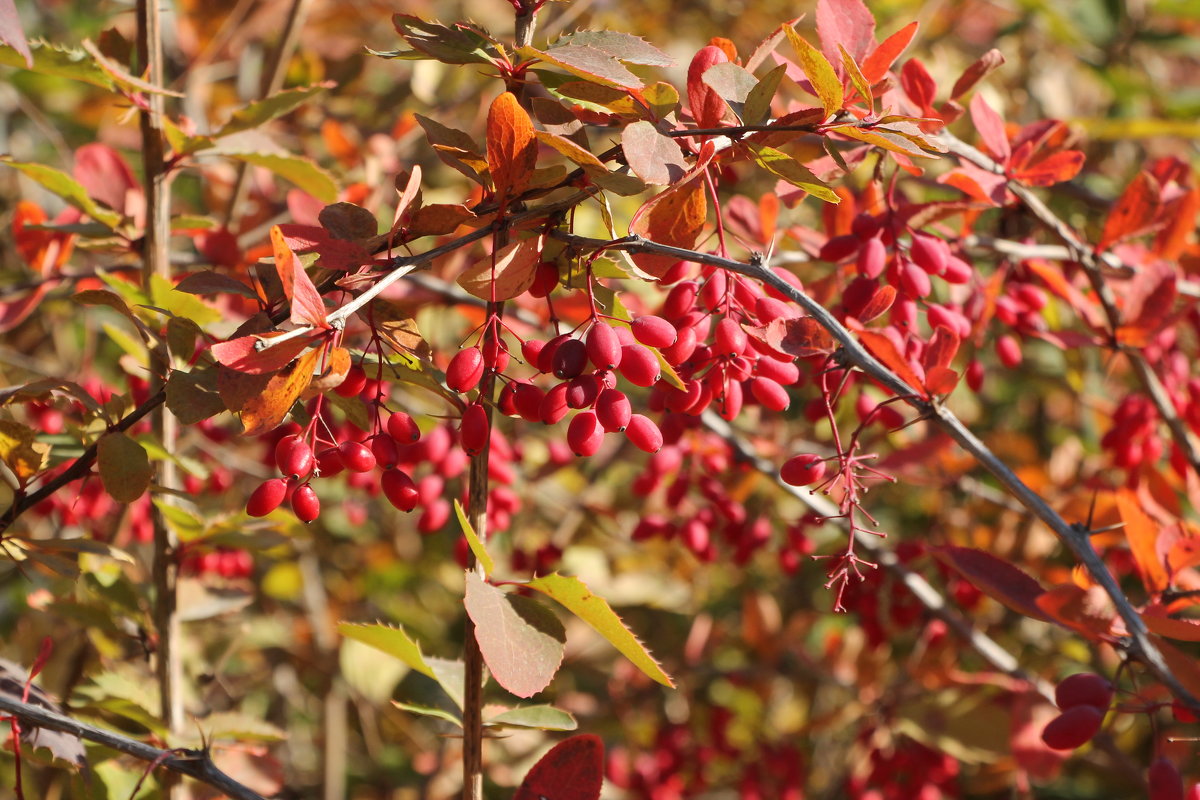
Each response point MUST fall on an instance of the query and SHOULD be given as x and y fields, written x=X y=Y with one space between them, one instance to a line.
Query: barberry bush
x=560 y=403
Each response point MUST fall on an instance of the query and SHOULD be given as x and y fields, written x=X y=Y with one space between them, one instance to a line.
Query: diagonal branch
x=1076 y=537
x=193 y=763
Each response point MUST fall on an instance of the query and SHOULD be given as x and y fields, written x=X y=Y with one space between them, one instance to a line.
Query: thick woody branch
x=1076 y=537
x=192 y=763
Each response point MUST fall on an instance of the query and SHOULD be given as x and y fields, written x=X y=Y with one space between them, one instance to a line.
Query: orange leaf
x=243 y=354
x=885 y=350
x=1133 y=213
x=1183 y=665
x=506 y=273
x=1086 y=611
x=262 y=413
x=1062 y=166
x=1142 y=533
x=1185 y=630
x=799 y=337
x=673 y=217
x=511 y=146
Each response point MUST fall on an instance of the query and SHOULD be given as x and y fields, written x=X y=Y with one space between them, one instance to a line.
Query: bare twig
x=193 y=763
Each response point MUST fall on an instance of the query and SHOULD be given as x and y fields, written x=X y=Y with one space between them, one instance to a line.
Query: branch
x=1095 y=266
x=193 y=763
x=1076 y=537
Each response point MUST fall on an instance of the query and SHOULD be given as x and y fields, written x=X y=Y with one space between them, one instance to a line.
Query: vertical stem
x=477 y=495
x=156 y=263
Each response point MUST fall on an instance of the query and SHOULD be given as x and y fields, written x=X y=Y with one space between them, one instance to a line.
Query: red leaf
x=1142 y=532
x=996 y=577
x=1133 y=213
x=506 y=273
x=520 y=639
x=799 y=337
x=241 y=354
x=572 y=770
x=339 y=254
x=848 y=23
x=885 y=350
x=879 y=303
x=1156 y=619
x=707 y=106
x=1087 y=611
x=991 y=129
x=979 y=70
x=940 y=380
x=941 y=348
x=103 y=172
x=876 y=65
x=11 y=32
x=653 y=156
x=1056 y=168
x=307 y=307
x=918 y=84
x=511 y=146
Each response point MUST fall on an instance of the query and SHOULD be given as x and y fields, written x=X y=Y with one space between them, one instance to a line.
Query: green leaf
x=575 y=596
x=824 y=80
x=164 y=295
x=391 y=640
x=733 y=83
x=183 y=523
x=621 y=46
x=782 y=165
x=587 y=62
x=481 y=553
x=547 y=718
x=241 y=727
x=261 y=111
x=124 y=467
x=60 y=62
x=192 y=396
x=428 y=711
x=66 y=187
x=303 y=172
x=758 y=103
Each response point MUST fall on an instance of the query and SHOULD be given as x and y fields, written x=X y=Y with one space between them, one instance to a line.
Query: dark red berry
x=267 y=497
x=802 y=470
x=1072 y=728
x=1083 y=689
x=329 y=462
x=570 y=357
x=1165 y=781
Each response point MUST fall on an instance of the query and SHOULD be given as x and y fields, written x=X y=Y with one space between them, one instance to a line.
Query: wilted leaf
x=506 y=273
x=348 y=221
x=996 y=577
x=675 y=217
x=21 y=452
x=64 y=746
x=438 y=219
x=572 y=770
x=575 y=596
x=799 y=337
x=124 y=467
x=263 y=412
x=521 y=641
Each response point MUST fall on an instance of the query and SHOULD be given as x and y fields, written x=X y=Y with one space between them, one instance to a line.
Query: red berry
x=639 y=365
x=531 y=350
x=267 y=497
x=356 y=456
x=1072 y=728
x=872 y=258
x=683 y=348
x=1165 y=782
x=653 y=331
x=929 y=253
x=603 y=346
x=1083 y=689
x=680 y=300
x=473 y=433
x=402 y=428
x=545 y=359
x=465 y=369
x=730 y=338
x=385 y=450
x=293 y=456
x=1009 y=351
x=975 y=375
x=305 y=503
x=802 y=470
x=730 y=400
x=914 y=281
x=435 y=516
x=585 y=434
x=554 y=405
x=329 y=462
x=613 y=410
x=544 y=279
x=353 y=383
x=770 y=394
x=582 y=391
x=785 y=373
x=528 y=400
x=644 y=434
x=399 y=489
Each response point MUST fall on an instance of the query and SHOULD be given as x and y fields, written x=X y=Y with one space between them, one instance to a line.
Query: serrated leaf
x=259 y=112
x=303 y=172
x=621 y=46
x=782 y=165
x=521 y=641
x=124 y=467
x=391 y=640
x=240 y=727
x=589 y=63
x=481 y=553
x=572 y=770
x=574 y=595
x=72 y=191
x=58 y=61
x=428 y=711
x=544 y=717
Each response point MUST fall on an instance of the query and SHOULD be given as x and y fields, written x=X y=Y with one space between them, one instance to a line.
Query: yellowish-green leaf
x=575 y=596
x=391 y=640
x=857 y=78
x=782 y=165
x=824 y=80
x=481 y=553
x=125 y=468
x=303 y=172
x=21 y=452
x=543 y=717
x=428 y=711
x=66 y=187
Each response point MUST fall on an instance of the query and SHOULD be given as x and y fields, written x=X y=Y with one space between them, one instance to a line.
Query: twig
x=1094 y=266
x=193 y=763
x=1077 y=538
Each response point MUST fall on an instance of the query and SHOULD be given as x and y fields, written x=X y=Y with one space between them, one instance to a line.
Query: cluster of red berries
x=229 y=563
x=1084 y=699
